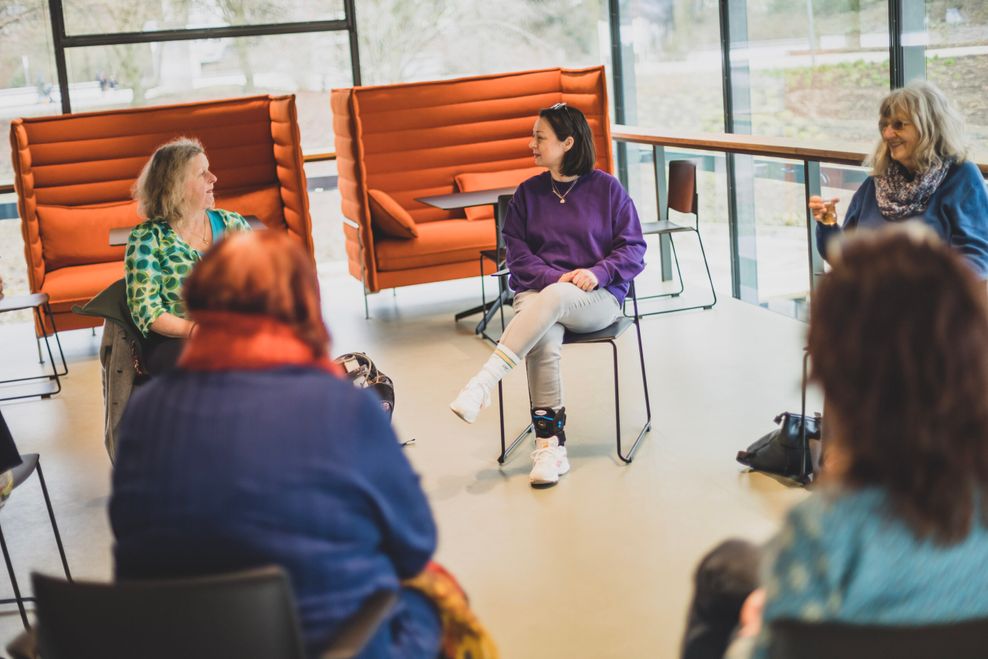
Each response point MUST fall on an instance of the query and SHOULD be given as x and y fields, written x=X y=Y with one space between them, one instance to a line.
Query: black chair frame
x=682 y=197
x=797 y=639
x=39 y=305
x=497 y=257
x=31 y=462
x=609 y=334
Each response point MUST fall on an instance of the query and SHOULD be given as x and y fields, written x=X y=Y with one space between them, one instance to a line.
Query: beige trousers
x=536 y=332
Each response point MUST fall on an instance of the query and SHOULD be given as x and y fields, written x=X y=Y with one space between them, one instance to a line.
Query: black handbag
x=785 y=451
x=364 y=374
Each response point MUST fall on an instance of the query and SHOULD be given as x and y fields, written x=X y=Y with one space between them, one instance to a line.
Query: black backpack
x=364 y=374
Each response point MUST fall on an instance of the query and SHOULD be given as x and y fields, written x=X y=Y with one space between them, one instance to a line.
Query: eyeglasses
x=896 y=124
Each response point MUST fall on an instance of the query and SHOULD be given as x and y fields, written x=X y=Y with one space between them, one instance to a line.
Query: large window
x=672 y=65
x=307 y=65
x=404 y=41
x=821 y=81
x=28 y=83
x=956 y=57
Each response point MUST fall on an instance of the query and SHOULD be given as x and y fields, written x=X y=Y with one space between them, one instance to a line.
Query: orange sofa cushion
x=265 y=203
x=472 y=181
x=79 y=235
x=389 y=217
x=75 y=285
x=452 y=241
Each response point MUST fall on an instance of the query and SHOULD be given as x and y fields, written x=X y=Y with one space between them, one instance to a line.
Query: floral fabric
x=899 y=197
x=156 y=263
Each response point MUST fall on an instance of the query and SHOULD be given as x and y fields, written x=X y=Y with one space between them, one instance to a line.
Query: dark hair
x=567 y=121
x=899 y=341
x=265 y=273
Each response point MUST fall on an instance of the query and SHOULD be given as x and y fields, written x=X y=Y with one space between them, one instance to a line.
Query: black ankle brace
x=549 y=423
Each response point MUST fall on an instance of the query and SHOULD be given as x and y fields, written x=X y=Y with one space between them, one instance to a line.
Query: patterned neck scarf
x=900 y=197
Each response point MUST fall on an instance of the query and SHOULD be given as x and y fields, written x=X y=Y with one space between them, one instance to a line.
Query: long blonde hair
x=939 y=124
x=159 y=189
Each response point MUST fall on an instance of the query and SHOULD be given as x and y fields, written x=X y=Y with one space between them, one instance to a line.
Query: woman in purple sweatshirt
x=574 y=244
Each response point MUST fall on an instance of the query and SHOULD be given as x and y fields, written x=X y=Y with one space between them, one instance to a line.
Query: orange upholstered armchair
x=73 y=175
x=395 y=143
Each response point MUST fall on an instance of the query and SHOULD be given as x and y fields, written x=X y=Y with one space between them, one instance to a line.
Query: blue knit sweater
x=223 y=471
x=958 y=212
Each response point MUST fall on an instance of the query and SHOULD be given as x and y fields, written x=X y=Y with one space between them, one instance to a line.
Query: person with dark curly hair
x=898 y=531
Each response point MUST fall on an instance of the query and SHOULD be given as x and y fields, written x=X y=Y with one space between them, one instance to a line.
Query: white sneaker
x=549 y=462
x=471 y=399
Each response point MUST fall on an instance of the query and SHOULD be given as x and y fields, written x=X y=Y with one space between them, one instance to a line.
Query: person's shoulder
x=606 y=180
x=149 y=228
x=965 y=171
x=229 y=217
x=838 y=508
x=534 y=183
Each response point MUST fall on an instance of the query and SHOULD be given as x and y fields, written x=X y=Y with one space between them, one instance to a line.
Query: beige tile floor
x=599 y=566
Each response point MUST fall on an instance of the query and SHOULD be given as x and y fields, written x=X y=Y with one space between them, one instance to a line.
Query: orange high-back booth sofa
x=395 y=143
x=74 y=173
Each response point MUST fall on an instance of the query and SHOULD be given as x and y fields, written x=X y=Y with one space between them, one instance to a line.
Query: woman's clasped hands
x=581 y=278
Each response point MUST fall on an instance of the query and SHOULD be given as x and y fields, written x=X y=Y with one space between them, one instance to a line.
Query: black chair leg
x=54 y=526
x=627 y=458
x=710 y=281
x=13 y=582
x=58 y=342
x=506 y=450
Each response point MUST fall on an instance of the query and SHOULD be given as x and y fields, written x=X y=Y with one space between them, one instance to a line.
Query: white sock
x=497 y=366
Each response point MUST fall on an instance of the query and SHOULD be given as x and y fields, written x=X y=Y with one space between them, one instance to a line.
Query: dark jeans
x=161 y=352
x=723 y=580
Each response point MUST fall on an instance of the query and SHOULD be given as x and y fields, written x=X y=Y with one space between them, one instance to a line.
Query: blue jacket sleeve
x=627 y=255
x=965 y=205
x=407 y=527
x=528 y=271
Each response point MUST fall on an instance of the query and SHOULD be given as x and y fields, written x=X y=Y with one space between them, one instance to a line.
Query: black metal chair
x=794 y=639
x=248 y=615
x=22 y=468
x=682 y=197
x=609 y=334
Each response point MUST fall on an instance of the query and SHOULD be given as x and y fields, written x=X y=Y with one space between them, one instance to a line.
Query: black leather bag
x=783 y=450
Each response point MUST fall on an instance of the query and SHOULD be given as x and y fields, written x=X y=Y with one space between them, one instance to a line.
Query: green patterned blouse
x=157 y=261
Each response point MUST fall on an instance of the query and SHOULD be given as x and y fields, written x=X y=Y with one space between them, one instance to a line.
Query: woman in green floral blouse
x=175 y=193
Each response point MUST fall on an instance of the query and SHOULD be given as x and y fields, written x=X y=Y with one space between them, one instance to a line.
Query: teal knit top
x=846 y=558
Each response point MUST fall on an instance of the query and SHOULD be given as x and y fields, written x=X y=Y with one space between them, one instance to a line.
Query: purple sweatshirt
x=597 y=228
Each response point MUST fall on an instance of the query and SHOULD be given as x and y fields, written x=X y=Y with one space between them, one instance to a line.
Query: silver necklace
x=562 y=197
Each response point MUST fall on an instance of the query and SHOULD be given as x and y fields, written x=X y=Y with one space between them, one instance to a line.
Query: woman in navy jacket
x=255 y=452
x=919 y=172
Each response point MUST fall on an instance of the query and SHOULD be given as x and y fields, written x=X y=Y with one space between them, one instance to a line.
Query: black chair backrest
x=248 y=615
x=793 y=639
x=502 y=212
x=682 y=186
x=9 y=457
